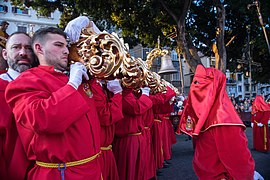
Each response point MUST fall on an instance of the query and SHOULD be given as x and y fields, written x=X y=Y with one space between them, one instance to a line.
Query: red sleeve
x=109 y=110
x=169 y=94
x=133 y=105
x=232 y=147
x=37 y=108
x=157 y=98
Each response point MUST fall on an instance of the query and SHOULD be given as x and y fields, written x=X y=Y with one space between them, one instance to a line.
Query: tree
x=198 y=24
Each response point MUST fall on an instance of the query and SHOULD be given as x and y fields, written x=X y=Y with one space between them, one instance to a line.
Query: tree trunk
x=219 y=48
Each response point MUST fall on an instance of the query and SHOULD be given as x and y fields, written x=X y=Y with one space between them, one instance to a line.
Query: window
x=239 y=88
x=145 y=52
x=3 y=8
x=17 y=10
x=176 y=77
x=247 y=88
x=239 y=77
x=22 y=29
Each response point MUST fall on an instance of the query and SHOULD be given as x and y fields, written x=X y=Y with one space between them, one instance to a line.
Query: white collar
x=10 y=75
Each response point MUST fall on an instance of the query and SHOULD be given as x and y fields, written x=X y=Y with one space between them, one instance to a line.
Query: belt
x=68 y=164
x=145 y=127
x=106 y=148
x=62 y=166
x=135 y=134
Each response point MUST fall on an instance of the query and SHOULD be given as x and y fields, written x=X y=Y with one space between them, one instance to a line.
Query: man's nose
x=23 y=51
x=66 y=51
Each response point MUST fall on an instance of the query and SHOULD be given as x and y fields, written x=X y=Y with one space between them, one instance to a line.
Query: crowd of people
x=59 y=122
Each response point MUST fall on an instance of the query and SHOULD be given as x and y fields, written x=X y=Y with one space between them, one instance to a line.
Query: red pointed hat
x=208 y=104
x=259 y=105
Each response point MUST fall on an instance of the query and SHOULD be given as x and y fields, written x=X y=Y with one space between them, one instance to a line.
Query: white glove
x=74 y=28
x=77 y=71
x=257 y=176
x=259 y=124
x=252 y=124
x=145 y=91
x=94 y=28
x=114 y=86
x=172 y=100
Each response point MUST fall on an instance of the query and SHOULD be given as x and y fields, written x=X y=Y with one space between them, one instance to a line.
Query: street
x=181 y=163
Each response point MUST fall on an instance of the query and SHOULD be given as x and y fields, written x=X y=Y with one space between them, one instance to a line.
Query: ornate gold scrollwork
x=106 y=56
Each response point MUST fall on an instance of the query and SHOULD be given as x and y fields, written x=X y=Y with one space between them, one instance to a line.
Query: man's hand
x=74 y=28
x=77 y=71
x=114 y=86
x=145 y=91
x=259 y=124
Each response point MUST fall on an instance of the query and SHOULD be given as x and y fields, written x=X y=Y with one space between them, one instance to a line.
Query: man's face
x=55 y=51
x=19 y=53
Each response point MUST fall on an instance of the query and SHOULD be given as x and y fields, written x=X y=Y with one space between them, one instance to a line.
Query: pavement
x=181 y=162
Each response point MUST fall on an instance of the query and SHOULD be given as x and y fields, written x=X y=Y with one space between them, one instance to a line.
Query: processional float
x=106 y=56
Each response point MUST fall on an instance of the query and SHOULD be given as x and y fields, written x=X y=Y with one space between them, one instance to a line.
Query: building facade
x=237 y=83
x=26 y=19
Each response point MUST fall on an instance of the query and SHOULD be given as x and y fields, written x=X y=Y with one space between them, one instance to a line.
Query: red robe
x=158 y=130
x=148 y=118
x=211 y=119
x=56 y=123
x=129 y=144
x=109 y=112
x=13 y=163
x=260 y=114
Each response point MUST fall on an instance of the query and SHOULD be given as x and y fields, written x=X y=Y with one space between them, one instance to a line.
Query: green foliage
x=142 y=21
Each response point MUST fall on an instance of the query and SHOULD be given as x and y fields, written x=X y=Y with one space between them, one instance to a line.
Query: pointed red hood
x=208 y=104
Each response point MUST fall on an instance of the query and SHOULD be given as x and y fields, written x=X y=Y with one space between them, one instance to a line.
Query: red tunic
x=56 y=123
x=260 y=114
x=210 y=117
x=109 y=111
x=129 y=146
x=14 y=163
x=148 y=118
x=158 y=129
x=221 y=152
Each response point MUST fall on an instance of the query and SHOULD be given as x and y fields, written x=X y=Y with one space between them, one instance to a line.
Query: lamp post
x=181 y=70
x=249 y=61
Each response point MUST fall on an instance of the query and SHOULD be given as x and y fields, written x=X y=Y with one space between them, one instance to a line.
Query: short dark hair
x=17 y=32
x=4 y=23
x=40 y=35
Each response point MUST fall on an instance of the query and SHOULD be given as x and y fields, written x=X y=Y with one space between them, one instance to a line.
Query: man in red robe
x=108 y=101
x=129 y=143
x=221 y=150
x=159 y=126
x=55 y=114
x=260 y=118
x=20 y=57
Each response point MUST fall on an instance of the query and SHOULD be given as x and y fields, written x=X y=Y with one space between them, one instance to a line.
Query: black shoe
x=159 y=173
x=166 y=165
x=167 y=162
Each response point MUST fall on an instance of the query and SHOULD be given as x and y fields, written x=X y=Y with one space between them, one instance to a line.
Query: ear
x=4 y=54
x=38 y=48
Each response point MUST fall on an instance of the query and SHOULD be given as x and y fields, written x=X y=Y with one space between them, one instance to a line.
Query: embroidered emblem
x=87 y=90
x=189 y=124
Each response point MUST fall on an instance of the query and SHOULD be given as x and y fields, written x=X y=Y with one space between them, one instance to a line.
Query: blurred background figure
x=3 y=28
x=259 y=123
x=3 y=40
